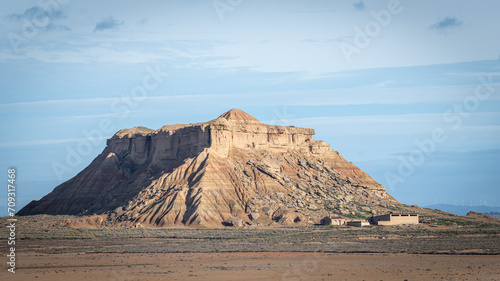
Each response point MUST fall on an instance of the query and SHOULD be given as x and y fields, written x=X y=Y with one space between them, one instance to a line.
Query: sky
x=406 y=90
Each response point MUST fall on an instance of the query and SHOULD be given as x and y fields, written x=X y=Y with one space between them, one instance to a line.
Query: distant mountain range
x=463 y=210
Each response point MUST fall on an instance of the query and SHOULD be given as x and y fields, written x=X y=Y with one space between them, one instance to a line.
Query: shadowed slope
x=204 y=174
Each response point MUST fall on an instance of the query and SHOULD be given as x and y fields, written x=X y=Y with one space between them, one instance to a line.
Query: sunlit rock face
x=230 y=170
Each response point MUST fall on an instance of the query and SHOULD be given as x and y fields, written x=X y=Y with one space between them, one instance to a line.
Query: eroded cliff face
x=212 y=173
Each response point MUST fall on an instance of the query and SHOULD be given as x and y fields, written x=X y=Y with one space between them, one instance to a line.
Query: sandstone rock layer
x=229 y=170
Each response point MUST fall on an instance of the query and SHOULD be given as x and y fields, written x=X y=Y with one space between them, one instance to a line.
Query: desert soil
x=424 y=252
x=254 y=266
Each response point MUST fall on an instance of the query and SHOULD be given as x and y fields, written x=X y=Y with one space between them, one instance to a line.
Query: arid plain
x=425 y=252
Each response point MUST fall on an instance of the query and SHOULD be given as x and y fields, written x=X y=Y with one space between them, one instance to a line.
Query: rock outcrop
x=214 y=173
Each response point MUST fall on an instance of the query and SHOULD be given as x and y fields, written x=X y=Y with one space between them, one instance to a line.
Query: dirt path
x=253 y=266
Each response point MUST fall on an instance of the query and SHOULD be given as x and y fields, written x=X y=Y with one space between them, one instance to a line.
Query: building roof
x=396 y=214
x=337 y=218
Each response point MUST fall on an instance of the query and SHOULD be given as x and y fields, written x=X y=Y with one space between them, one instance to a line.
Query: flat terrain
x=424 y=252
x=254 y=266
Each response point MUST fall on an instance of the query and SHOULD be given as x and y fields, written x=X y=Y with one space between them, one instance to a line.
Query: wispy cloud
x=38 y=12
x=45 y=17
x=48 y=104
x=87 y=54
x=87 y=117
x=57 y=27
x=384 y=83
x=481 y=119
x=142 y=21
x=109 y=23
x=317 y=11
x=447 y=23
x=480 y=124
x=359 y=6
x=45 y=142
x=324 y=97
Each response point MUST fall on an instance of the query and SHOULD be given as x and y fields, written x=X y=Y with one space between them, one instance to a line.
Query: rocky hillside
x=232 y=170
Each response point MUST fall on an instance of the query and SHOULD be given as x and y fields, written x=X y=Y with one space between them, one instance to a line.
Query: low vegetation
x=449 y=236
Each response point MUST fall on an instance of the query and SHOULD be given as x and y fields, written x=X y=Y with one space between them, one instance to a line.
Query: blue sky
x=374 y=78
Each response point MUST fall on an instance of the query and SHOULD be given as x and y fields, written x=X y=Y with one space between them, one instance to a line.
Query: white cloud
x=83 y=55
x=327 y=97
x=87 y=117
x=45 y=142
x=400 y=124
x=274 y=43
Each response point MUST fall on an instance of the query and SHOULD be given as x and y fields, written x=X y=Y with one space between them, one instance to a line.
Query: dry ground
x=425 y=252
x=254 y=266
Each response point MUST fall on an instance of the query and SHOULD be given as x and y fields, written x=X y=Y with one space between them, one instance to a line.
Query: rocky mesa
x=233 y=170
